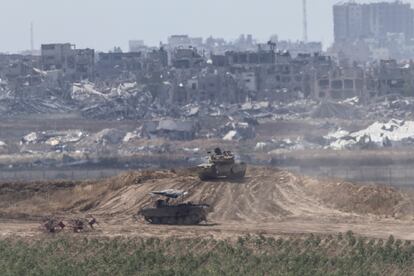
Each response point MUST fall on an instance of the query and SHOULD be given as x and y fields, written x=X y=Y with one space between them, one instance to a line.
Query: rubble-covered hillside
x=172 y=104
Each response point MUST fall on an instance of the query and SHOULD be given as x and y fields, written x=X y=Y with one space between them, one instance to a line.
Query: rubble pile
x=12 y=104
x=392 y=106
x=3 y=147
x=170 y=129
x=274 y=146
x=237 y=131
x=393 y=133
x=44 y=142
x=191 y=110
x=257 y=110
x=127 y=101
x=53 y=138
x=293 y=110
x=335 y=110
x=107 y=136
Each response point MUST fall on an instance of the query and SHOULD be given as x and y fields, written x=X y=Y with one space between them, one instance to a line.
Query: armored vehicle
x=221 y=165
x=170 y=210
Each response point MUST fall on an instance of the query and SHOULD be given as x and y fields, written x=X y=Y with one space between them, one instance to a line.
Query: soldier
x=78 y=225
x=49 y=226
x=92 y=222
x=52 y=225
x=61 y=225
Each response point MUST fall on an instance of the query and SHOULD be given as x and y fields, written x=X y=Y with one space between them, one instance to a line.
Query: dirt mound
x=264 y=196
x=354 y=198
x=40 y=199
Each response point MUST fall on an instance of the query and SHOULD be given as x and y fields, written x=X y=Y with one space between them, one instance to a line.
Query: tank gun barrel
x=169 y=193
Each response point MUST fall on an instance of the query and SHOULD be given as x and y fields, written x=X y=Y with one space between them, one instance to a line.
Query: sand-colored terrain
x=268 y=201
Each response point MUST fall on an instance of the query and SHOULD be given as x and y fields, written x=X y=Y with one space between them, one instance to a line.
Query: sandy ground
x=268 y=201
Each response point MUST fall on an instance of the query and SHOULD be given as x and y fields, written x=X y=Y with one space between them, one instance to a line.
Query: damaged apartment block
x=76 y=64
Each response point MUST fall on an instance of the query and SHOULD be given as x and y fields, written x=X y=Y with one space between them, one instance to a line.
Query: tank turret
x=221 y=164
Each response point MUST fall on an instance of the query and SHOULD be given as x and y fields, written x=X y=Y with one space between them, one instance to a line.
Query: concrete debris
x=335 y=110
x=53 y=138
x=30 y=138
x=84 y=92
x=190 y=110
x=192 y=150
x=238 y=131
x=338 y=134
x=351 y=101
x=299 y=143
x=107 y=136
x=391 y=106
x=127 y=101
x=260 y=146
x=232 y=135
x=255 y=106
x=171 y=129
x=378 y=134
x=17 y=105
x=130 y=136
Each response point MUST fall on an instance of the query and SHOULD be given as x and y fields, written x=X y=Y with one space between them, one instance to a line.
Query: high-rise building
x=353 y=21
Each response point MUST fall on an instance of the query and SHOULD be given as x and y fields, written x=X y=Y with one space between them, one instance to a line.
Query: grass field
x=342 y=254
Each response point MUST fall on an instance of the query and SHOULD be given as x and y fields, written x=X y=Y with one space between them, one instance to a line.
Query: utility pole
x=31 y=38
x=305 y=21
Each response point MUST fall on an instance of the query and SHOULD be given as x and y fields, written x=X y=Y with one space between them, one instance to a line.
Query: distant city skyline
x=105 y=24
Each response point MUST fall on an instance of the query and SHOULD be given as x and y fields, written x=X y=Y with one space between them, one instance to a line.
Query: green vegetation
x=344 y=254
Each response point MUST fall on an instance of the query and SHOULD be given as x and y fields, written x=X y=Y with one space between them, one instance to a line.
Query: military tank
x=221 y=164
x=170 y=210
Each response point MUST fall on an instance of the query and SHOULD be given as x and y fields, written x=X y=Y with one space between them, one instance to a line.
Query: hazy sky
x=102 y=24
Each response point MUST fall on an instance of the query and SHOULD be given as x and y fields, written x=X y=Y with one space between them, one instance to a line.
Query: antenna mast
x=305 y=21
x=31 y=38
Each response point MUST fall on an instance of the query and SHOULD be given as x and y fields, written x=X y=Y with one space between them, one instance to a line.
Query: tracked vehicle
x=221 y=165
x=171 y=211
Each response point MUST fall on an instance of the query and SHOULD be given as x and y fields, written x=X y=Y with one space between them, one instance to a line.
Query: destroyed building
x=156 y=60
x=215 y=86
x=296 y=48
x=84 y=64
x=76 y=64
x=395 y=78
x=113 y=64
x=342 y=83
x=14 y=66
x=186 y=58
x=250 y=57
x=157 y=82
x=265 y=73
